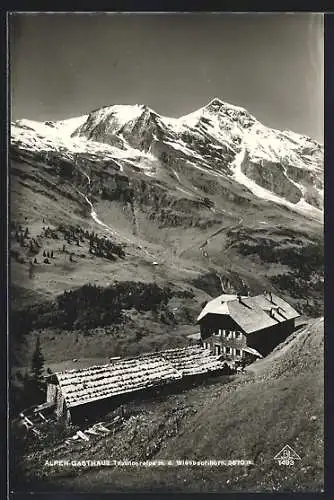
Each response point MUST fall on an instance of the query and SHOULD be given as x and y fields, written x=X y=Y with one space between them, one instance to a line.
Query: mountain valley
x=123 y=224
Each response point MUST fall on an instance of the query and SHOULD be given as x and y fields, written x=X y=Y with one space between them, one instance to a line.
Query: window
x=217 y=350
x=238 y=352
x=224 y=333
x=238 y=335
x=228 y=350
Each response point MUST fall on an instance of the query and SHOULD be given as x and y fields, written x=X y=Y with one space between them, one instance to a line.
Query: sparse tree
x=33 y=383
x=37 y=364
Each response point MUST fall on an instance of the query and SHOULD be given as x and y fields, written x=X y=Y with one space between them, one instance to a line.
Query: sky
x=65 y=65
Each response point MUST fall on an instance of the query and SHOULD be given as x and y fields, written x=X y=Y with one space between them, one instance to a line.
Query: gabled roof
x=249 y=316
x=252 y=351
x=217 y=306
x=280 y=307
x=99 y=382
x=129 y=375
x=192 y=361
x=252 y=313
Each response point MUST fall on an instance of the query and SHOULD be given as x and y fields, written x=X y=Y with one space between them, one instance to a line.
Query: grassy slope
x=59 y=347
x=177 y=248
x=252 y=417
x=279 y=401
x=29 y=206
x=37 y=193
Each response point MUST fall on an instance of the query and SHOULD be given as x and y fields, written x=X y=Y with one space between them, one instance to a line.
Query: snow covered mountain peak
x=220 y=138
x=217 y=105
x=216 y=101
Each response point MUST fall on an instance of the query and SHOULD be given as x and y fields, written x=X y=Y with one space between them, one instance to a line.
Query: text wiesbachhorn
x=146 y=463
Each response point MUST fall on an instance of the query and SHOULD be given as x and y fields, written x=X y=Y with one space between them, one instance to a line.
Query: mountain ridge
x=180 y=210
x=174 y=190
x=216 y=132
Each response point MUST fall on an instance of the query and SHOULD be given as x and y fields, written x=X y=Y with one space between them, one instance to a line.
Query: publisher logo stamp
x=287 y=456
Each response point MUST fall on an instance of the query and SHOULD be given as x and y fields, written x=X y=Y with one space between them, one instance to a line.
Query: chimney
x=271 y=297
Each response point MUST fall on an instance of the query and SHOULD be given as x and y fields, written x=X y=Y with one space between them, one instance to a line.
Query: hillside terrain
x=215 y=192
x=210 y=201
x=123 y=224
x=278 y=401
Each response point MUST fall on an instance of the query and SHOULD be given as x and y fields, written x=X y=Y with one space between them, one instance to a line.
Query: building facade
x=240 y=328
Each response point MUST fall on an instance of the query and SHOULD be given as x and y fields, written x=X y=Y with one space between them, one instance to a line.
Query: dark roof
x=280 y=307
x=252 y=313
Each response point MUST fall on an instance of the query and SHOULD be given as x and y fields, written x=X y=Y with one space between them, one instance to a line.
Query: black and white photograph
x=165 y=242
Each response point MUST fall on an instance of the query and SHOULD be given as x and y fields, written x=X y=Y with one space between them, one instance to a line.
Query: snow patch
x=302 y=206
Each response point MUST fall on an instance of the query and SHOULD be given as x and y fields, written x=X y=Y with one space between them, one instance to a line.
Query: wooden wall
x=267 y=339
x=51 y=393
x=210 y=327
x=263 y=341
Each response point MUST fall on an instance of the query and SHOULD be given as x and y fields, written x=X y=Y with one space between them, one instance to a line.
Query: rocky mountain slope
x=287 y=164
x=189 y=198
x=220 y=137
x=123 y=204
